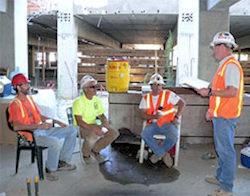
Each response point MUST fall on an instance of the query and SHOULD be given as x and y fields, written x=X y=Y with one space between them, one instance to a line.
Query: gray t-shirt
x=232 y=74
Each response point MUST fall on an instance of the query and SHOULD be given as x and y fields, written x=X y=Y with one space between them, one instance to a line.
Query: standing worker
x=225 y=104
x=87 y=111
x=158 y=109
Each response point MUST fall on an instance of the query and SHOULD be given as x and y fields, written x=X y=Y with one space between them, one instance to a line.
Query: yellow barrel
x=117 y=75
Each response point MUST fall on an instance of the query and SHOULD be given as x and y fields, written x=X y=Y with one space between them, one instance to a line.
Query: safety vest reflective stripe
x=241 y=88
x=241 y=93
x=168 y=112
x=21 y=107
x=148 y=100
x=162 y=104
x=217 y=103
x=163 y=98
x=218 y=100
x=31 y=102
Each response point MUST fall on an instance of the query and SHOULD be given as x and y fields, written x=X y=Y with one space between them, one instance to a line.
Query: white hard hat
x=156 y=79
x=224 y=37
x=86 y=80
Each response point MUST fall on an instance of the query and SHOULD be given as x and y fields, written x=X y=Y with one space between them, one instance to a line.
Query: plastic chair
x=162 y=137
x=70 y=120
x=24 y=144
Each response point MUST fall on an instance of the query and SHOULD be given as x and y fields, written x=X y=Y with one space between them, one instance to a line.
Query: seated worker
x=25 y=115
x=157 y=108
x=86 y=110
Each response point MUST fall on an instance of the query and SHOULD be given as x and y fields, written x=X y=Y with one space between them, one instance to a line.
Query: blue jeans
x=60 y=142
x=168 y=129
x=224 y=131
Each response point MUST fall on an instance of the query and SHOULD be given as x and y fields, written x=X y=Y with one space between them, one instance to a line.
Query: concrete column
x=21 y=36
x=33 y=60
x=67 y=51
x=3 y=5
x=13 y=35
x=210 y=23
x=188 y=40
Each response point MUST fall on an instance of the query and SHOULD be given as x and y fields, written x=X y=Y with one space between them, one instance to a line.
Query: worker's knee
x=92 y=138
x=56 y=143
x=114 y=133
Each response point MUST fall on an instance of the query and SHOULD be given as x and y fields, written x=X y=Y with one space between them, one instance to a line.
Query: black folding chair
x=24 y=144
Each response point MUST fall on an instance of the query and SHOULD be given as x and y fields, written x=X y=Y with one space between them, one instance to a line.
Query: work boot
x=88 y=159
x=154 y=159
x=51 y=175
x=212 y=180
x=167 y=159
x=63 y=165
x=99 y=157
x=221 y=193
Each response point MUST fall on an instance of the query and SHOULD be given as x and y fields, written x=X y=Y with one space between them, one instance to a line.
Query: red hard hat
x=18 y=79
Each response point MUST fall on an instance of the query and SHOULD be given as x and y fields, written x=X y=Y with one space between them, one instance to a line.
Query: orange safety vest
x=168 y=110
x=25 y=117
x=221 y=106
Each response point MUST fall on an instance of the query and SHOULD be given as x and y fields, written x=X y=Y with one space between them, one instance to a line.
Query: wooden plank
x=141 y=63
x=132 y=61
x=121 y=53
x=101 y=77
x=133 y=70
x=247 y=80
x=247 y=88
x=91 y=69
x=245 y=64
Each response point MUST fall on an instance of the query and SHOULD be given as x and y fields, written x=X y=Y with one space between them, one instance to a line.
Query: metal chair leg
x=80 y=145
x=39 y=157
x=177 y=145
x=32 y=155
x=17 y=158
x=142 y=151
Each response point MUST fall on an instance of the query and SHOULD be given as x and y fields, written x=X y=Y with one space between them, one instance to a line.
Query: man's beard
x=26 y=92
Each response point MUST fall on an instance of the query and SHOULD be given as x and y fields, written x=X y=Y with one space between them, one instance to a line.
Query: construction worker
x=225 y=104
x=25 y=115
x=87 y=111
x=158 y=109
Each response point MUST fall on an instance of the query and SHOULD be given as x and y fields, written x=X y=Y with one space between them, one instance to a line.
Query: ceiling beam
x=220 y=5
x=243 y=42
x=42 y=41
x=94 y=35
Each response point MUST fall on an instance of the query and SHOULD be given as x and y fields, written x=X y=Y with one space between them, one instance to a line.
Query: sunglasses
x=27 y=83
x=156 y=84
x=94 y=87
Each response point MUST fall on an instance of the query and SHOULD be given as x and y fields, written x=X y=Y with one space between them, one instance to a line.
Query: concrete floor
x=88 y=180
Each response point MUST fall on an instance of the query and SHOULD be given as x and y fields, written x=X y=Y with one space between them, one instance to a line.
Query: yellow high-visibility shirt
x=88 y=109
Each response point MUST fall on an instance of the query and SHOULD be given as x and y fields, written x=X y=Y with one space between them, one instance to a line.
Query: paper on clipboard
x=195 y=83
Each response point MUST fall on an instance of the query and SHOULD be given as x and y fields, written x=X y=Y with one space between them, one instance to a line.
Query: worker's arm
x=146 y=116
x=208 y=116
x=228 y=92
x=94 y=128
x=44 y=118
x=17 y=126
x=181 y=104
x=180 y=108
x=104 y=121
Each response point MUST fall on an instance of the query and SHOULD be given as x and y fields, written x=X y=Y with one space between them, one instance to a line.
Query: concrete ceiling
x=135 y=29
x=240 y=26
x=130 y=28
